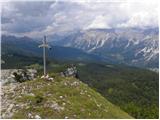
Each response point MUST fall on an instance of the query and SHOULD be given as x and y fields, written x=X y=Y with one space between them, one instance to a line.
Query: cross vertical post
x=44 y=46
x=44 y=55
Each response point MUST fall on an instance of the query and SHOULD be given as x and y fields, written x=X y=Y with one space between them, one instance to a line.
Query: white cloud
x=141 y=19
x=35 y=18
x=99 y=22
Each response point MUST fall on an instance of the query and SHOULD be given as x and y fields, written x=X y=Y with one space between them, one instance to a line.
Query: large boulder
x=70 y=72
x=17 y=75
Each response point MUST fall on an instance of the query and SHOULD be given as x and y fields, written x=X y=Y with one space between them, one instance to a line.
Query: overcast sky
x=38 y=18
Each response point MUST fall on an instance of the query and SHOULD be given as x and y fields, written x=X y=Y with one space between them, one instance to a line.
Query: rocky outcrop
x=70 y=71
x=17 y=75
x=8 y=106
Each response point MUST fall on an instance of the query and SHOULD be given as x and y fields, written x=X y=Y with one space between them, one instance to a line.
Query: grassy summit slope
x=65 y=97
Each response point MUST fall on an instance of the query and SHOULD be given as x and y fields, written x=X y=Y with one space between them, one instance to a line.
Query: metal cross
x=44 y=46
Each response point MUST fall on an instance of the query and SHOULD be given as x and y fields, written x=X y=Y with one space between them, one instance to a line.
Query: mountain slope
x=135 y=90
x=131 y=46
x=61 y=98
x=14 y=60
x=24 y=46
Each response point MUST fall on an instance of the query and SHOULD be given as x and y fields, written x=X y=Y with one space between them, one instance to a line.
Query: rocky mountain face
x=132 y=46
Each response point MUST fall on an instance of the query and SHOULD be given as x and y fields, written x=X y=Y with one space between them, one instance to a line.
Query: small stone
x=12 y=76
x=10 y=107
x=47 y=76
x=63 y=104
x=81 y=93
x=62 y=74
x=49 y=94
x=66 y=117
x=31 y=94
x=65 y=84
x=37 y=117
x=106 y=110
x=17 y=105
x=75 y=83
x=61 y=97
x=27 y=107
x=56 y=106
x=24 y=87
x=2 y=94
x=89 y=95
x=30 y=115
x=50 y=79
x=42 y=77
x=98 y=105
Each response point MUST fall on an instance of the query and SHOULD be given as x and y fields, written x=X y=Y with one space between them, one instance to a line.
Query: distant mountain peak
x=127 y=42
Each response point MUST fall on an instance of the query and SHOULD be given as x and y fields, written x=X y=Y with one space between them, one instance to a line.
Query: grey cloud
x=27 y=16
x=58 y=16
x=33 y=8
x=5 y=20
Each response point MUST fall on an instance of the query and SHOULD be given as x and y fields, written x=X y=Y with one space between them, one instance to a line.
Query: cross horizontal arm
x=44 y=45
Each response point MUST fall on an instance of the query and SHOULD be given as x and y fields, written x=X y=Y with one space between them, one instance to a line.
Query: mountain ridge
x=25 y=46
x=131 y=46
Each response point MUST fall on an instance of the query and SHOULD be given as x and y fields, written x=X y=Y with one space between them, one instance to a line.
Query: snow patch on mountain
x=135 y=46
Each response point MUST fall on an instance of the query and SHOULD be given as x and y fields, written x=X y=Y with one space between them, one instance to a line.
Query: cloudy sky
x=36 y=18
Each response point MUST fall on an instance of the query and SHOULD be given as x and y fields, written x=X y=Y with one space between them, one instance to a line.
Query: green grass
x=90 y=104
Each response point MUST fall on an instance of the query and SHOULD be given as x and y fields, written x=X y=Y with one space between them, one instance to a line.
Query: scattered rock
x=10 y=108
x=61 y=97
x=66 y=117
x=19 y=96
x=65 y=83
x=75 y=83
x=51 y=79
x=42 y=76
x=47 y=77
x=106 y=110
x=17 y=75
x=17 y=105
x=37 y=117
x=63 y=104
x=89 y=95
x=31 y=94
x=70 y=72
x=49 y=94
x=30 y=116
x=74 y=115
x=57 y=107
x=81 y=93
